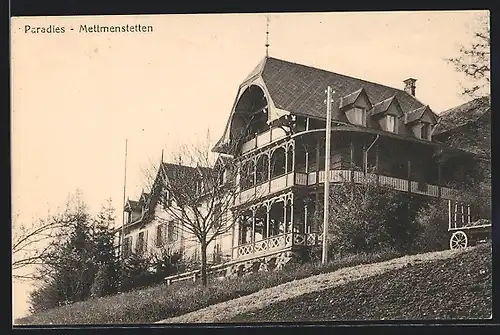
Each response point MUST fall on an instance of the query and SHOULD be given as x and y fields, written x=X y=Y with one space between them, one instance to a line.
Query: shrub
x=105 y=281
x=141 y=270
x=166 y=263
x=44 y=297
x=135 y=272
x=367 y=218
x=432 y=226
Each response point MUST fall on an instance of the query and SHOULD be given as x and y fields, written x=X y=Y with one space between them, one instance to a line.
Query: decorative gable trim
x=352 y=99
x=384 y=107
x=418 y=114
x=274 y=112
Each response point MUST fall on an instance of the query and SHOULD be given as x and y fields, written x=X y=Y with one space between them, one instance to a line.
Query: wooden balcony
x=288 y=180
x=263 y=139
x=392 y=182
x=274 y=185
x=275 y=243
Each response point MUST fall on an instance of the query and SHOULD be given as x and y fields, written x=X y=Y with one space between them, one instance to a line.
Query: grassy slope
x=454 y=288
x=160 y=302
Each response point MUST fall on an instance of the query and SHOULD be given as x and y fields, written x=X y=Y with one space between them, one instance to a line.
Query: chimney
x=410 y=86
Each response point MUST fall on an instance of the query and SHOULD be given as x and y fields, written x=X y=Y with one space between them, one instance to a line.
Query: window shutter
x=175 y=233
x=170 y=230
x=129 y=245
x=159 y=236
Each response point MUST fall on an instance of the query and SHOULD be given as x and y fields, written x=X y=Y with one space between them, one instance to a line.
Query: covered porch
x=276 y=224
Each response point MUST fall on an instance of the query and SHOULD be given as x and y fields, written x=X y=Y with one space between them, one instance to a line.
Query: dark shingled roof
x=414 y=115
x=183 y=171
x=350 y=98
x=144 y=196
x=134 y=205
x=382 y=106
x=458 y=116
x=300 y=89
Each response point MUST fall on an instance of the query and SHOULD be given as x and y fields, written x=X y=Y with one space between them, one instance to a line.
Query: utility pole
x=122 y=237
x=326 y=197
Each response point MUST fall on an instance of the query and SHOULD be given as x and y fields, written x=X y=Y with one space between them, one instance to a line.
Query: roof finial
x=267 y=37
x=162 y=155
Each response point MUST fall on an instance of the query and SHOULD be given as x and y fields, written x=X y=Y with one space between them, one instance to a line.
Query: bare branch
x=474 y=61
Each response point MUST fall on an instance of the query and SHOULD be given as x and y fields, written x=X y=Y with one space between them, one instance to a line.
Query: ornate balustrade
x=336 y=176
x=263 y=139
x=395 y=183
x=301 y=178
x=276 y=243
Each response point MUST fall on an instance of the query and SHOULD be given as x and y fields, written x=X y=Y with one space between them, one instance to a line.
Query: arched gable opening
x=250 y=115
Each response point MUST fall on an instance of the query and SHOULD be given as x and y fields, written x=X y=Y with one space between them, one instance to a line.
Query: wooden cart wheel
x=458 y=240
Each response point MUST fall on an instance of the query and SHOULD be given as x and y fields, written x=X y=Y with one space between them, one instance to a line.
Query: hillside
x=417 y=286
x=356 y=282
x=454 y=288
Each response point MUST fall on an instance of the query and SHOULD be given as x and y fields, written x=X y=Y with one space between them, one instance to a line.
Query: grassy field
x=454 y=288
x=160 y=302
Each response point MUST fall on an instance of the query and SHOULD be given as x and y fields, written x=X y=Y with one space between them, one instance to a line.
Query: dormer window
x=355 y=106
x=390 y=123
x=357 y=116
x=421 y=121
x=425 y=131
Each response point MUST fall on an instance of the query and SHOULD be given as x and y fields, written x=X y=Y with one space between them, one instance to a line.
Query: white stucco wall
x=186 y=240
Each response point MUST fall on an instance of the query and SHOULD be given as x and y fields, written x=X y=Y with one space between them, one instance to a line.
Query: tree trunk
x=204 y=280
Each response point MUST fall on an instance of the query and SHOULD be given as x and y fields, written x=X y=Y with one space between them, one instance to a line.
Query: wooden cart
x=466 y=231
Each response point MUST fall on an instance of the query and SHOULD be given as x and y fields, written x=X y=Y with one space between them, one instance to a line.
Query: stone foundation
x=265 y=263
x=241 y=268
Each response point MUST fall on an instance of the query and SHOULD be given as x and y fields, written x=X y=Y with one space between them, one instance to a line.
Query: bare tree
x=474 y=61
x=198 y=190
x=32 y=243
x=471 y=124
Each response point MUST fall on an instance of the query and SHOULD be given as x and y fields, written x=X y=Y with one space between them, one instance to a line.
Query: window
x=357 y=116
x=127 y=246
x=141 y=242
x=167 y=199
x=196 y=255
x=425 y=132
x=390 y=123
x=217 y=254
x=217 y=217
x=171 y=232
x=160 y=235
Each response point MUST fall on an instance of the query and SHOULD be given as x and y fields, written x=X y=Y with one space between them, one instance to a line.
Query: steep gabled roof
x=417 y=114
x=350 y=99
x=460 y=115
x=187 y=173
x=383 y=106
x=133 y=205
x=299 y=89
x=144 y=197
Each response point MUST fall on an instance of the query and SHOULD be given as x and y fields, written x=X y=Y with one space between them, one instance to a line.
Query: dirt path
x=258 y=300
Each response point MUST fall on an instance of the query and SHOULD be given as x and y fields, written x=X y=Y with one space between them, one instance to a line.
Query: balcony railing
x=276 y=243
x=395 y=183
x=272 y=186
x=263 y=139
x=337 y=176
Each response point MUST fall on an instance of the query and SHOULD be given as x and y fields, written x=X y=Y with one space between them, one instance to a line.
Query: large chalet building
x=275 y=135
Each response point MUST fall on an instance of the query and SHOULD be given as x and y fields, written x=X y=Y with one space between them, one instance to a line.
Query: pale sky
x=76 y=97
